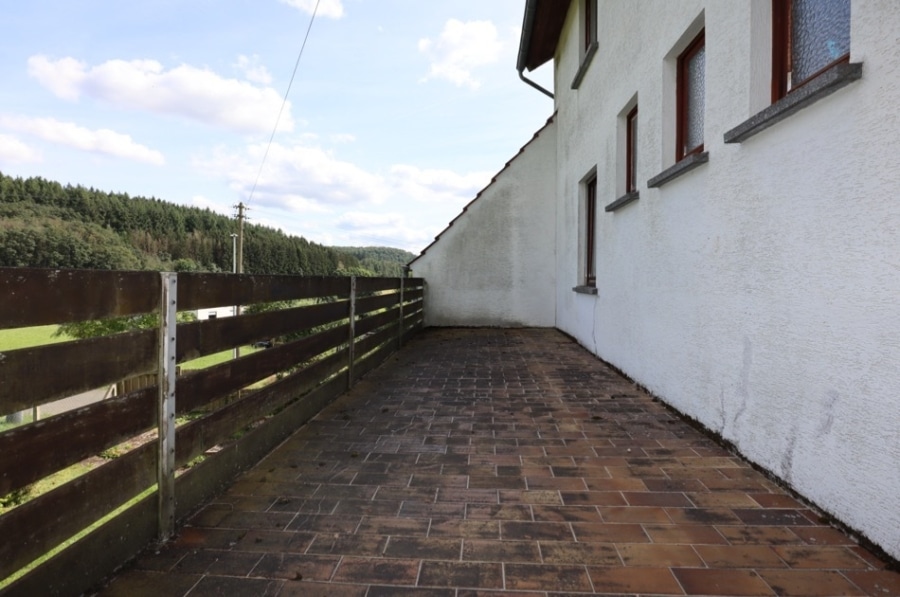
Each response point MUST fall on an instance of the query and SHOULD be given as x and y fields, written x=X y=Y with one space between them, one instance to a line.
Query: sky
x=400 y=111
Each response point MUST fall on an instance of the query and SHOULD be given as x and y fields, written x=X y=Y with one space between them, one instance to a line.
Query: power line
x=284 y=101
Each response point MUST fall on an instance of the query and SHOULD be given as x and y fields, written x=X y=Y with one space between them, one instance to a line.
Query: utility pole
x=240 y=239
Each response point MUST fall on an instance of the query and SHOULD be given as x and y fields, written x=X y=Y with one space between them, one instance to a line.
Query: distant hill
x=382 y=261
x=46 y=224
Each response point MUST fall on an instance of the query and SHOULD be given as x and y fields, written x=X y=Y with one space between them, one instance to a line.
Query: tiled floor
x=481 y=462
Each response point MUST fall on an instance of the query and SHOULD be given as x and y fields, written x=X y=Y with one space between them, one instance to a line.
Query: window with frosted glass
x=809 y=36
x=691 y=97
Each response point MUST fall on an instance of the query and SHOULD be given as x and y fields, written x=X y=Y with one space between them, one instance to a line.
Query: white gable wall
x=759 y=293
x=494 y=265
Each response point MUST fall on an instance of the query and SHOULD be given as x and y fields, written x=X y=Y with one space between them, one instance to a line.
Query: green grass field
x=28 y=337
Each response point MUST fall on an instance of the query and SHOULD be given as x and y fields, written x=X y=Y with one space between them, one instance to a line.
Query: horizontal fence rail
x=149 y=456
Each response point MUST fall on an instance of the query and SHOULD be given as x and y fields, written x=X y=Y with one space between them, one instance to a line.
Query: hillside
x=382 y=261
x=46 y=224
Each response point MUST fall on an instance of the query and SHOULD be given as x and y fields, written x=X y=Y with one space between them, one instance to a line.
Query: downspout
x=530 y=11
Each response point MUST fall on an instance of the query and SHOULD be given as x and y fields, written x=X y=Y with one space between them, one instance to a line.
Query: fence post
x=400 y=324
x=166 y=421
x=350 y=350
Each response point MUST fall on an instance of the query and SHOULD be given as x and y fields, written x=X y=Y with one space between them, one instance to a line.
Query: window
x=808 y=38
x=631 y=124
x=691 y=90
x=590 y=213
x=590 y=24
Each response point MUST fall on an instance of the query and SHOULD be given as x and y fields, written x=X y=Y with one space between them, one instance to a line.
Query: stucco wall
x=494 y=265
x=759 y=293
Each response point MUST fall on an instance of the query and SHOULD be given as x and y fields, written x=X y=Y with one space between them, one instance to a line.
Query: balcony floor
x=481 y=462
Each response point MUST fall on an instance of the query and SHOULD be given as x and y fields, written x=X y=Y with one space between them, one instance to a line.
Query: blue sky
x=400 y=112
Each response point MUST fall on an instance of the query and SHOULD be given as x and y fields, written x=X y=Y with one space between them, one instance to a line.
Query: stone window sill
x=822 y=86
x=682 y=167
x=623 y=201
x=585 y=63
x=586 y=290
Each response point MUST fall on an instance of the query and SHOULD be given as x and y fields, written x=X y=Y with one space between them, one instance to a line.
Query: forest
x=46 y=224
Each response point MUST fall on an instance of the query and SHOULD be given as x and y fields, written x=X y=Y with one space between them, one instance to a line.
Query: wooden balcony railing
x=184 y=436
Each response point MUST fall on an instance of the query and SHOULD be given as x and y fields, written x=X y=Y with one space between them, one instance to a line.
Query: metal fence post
x=166 y=421
x=350 y=350
x=400 y=324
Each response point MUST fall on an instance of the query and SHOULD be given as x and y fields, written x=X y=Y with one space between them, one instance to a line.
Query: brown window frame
x=683 y=99
x=631 y=150
x=590 y=23
x=782 y=51
x=590 y=218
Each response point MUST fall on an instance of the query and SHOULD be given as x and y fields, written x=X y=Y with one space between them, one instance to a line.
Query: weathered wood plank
x=198 y=389
x=198 y=291
x=201 y=338
x=373 y=360
x=41 y=524
x=367 y=324
x=374 y=303
x=200 y=435
x=36 y=450
x=373 y=341
x=413 y=295
x=30 y=296
x=89 y=560
x=206 y=479
x=34 y=376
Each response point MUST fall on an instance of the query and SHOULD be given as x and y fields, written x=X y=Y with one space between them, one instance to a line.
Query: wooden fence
x=332 y=330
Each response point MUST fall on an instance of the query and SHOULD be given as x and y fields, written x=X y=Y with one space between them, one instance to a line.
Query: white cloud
x=383 y=229
x=15 y=151
x=327 y=8
x=438 y=186
x=253 y=70
x=70 y=134
x=195 y=93
x=460 y=49
x=298 y=177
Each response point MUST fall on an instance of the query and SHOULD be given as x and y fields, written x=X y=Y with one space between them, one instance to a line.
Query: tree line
x=46 y=224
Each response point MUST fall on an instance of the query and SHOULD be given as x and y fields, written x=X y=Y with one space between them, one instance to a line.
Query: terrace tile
x=503 y=462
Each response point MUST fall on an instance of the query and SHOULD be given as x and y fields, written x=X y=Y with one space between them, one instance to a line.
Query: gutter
x=525 y=41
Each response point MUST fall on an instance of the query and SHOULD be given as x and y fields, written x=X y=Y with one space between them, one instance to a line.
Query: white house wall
x=494 y=265
x=760 y=292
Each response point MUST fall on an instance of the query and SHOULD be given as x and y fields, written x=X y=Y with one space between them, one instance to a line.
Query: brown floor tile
x=610 y=533
x=472 y=529
x=772 y=516
x=409 y=592
x=144 y=583
x=634 y=514
x=393 y=526
x=296 y=566
x=538 y=496
x=814 y=556
x=875 y=582
x=684 y=533
x=699 y=581
x=501 y=551
x=535 y=577
x=650 y=498
x=657 y=581
x=753 y=535
x=423 y=548
x=461 y=574
x=707 y=516
x=593 y=554
x=378 y=571
x=723 y=499
x=615 y=484
x=822 y=536
x=592 y=498
x=566 y=513
x=236 y=587
x=318 y=589
x=739 y=556
x=809 y=582
x=651 y=554
x=356 y=545
x=473 y=496
x=776 y=500
x=498 y=512
x=535 y=531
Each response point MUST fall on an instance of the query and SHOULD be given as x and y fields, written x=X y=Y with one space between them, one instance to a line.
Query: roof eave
x=541 y=30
